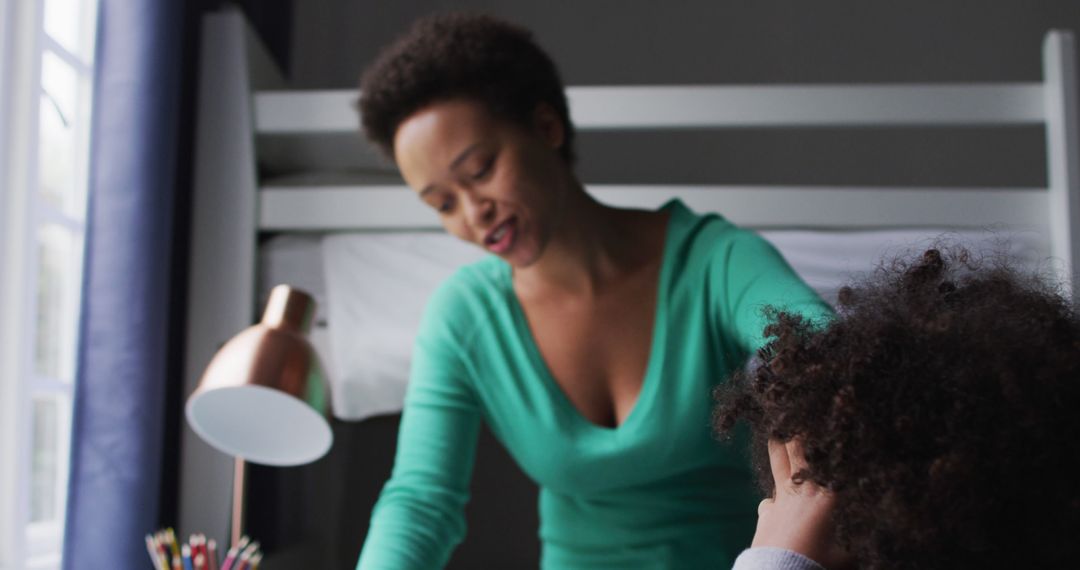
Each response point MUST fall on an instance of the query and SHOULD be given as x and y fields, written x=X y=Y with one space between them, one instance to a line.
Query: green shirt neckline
x=646 y=395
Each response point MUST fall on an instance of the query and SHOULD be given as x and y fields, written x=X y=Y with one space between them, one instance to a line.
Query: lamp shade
x=262 y=397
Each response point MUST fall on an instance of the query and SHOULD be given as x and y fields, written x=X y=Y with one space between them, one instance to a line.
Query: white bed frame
x=244 y=119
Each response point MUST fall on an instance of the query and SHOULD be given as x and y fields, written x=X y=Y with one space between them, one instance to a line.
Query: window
x=46 y=73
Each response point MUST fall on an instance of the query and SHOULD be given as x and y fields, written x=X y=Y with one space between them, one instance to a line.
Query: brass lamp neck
x=289 y=309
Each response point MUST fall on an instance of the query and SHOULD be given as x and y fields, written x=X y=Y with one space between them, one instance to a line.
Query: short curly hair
x=942 y=407
x=461 y=55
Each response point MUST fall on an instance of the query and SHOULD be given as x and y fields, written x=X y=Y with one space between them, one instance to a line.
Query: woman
x=931 y=425
x=588 y=342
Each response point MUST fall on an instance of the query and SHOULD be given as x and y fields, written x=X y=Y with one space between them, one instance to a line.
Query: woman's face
x=492 y=182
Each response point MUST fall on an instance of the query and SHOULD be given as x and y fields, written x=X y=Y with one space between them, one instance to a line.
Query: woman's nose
x=480 y=211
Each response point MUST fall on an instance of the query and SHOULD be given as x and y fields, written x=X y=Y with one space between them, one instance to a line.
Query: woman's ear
x=549 y=125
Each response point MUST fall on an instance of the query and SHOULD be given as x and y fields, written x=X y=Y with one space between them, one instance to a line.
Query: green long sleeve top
x=655 y=492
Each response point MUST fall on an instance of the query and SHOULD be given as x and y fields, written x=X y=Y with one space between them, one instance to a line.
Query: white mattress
x=371 y=289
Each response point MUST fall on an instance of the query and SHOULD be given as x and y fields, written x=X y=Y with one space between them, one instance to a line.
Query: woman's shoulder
x=467 y=297
x=708 y=237
x=479 y=280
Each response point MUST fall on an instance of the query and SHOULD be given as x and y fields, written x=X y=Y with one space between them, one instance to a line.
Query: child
x=933 y=424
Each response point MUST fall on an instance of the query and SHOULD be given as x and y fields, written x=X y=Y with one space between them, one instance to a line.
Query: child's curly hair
x=942 y=407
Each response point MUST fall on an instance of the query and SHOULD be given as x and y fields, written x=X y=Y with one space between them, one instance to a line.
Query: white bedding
x=377 y=286
x=371 y=289
x=827 y=260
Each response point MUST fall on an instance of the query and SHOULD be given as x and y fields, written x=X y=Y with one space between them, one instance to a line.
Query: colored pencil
x=153 y=550
x=187 y=557
x=170 y=537
x=245 y=557
x=196 y=551
x=230 y=557
x=163 y=551
x=211 y=547
x=234 y=552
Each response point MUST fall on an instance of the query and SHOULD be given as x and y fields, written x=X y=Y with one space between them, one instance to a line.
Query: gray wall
x=749 y=41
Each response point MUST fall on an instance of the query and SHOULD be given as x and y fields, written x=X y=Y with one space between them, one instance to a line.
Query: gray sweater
x=768 y=558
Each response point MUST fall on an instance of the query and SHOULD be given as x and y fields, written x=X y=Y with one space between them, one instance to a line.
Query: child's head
x=942 y=407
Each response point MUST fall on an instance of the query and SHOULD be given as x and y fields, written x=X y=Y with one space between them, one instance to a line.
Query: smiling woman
x=588 y=342
x=466 y=162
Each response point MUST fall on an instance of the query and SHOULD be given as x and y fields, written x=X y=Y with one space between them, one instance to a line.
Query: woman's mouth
x=501 y=237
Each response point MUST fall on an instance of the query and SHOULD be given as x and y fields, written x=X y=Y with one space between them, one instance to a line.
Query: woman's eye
x=484 y=170
x=445 y=206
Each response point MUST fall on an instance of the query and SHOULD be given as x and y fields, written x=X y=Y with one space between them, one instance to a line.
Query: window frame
x=23 y=213
x=18 y=36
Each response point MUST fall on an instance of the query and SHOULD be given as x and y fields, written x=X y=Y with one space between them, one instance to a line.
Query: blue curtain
x=120 y=397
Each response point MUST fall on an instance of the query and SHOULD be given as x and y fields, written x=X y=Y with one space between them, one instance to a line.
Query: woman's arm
x=419 y=518
x=753 y=276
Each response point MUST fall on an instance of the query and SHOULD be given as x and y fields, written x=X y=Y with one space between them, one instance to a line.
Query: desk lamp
x=262 y=398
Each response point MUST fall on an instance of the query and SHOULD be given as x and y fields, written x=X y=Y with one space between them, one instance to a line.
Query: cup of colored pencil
x=199 y=553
